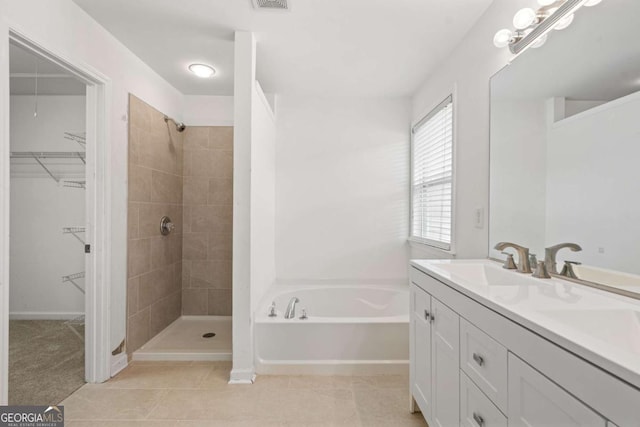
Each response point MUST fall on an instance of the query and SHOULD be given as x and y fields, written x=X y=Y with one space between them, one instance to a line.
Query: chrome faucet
x=291 y=308
x=523 y=255
x=551 y=252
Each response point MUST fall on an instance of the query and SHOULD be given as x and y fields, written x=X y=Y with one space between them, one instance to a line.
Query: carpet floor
x=46 y=361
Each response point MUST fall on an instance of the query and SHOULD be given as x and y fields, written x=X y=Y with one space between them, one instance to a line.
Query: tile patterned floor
x=196 y=394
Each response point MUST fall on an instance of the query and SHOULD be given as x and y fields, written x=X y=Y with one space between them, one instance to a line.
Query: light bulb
x=202 y=70
x=524 y=18
x=592 y=3
x=546 y=2
x=564 y=22
x=541 y=40
x=502 y=38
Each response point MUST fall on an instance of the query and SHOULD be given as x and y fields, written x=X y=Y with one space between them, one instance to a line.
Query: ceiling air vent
x=271 y=4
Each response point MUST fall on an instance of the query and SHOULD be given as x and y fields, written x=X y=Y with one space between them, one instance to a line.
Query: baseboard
x=141 y=356
x=319 y=367
x=29 y=315
x=242 y=376
x=118 y=363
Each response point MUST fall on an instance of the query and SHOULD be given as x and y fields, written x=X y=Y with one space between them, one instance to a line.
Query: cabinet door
x=421 y=350
x=536 y=401
x=445 y=354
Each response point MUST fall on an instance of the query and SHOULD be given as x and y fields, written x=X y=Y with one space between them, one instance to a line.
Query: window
x=432 y=177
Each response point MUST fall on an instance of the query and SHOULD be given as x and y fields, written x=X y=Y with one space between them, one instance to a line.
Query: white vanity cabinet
x=435 y=355
x=472 y=366
x=537 y=401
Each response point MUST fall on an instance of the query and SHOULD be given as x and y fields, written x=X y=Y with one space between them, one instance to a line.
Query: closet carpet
x=46 y=361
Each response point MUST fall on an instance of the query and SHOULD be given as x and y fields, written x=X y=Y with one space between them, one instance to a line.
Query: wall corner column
x=243 y=371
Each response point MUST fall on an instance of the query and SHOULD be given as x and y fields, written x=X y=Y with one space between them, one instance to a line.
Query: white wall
x=593 y=185
x=67 y=31
x=468 y=70
x=342 y=168
x=40 y=253
x=208 y=110
x=518 y=174
x=263 y=141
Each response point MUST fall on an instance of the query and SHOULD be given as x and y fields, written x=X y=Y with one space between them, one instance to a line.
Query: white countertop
x=601 y=327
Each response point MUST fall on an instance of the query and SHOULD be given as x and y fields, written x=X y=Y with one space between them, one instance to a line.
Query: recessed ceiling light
x=201 y=70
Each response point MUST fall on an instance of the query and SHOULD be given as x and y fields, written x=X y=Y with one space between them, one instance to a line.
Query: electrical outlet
x=478 y=217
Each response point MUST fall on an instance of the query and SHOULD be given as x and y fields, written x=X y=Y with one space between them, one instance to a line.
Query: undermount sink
x=620 y=328
x=482 y=273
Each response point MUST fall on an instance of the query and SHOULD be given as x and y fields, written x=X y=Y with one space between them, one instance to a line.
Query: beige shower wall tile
x=221 y=164
x=196 y=190
x=156 y=150
x=165 y=250
x=151 y=287
x=220 y=245
x=211 y=274
x=219 y=303
x=194 y=302
x=196 y=138
x=210 y=163
x=140 y=113
x=214 y=219
x=164 y=312
x=133 y=215
x=221 y=137
x=177 y=275
x=134 y=145
x=186 y=273
x=199 y=163
x=132 y=295
x=137 y=330
x=186 y=219
x=157 y=285
x=194 y=246
x=139 y=184
x=220 y=191
x=139 y=257
x=166 y=188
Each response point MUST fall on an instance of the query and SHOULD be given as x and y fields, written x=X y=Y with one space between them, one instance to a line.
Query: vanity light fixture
x=202 y=70
x=533 y=26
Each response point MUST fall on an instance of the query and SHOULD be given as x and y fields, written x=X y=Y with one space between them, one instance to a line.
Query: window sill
x=420 y=245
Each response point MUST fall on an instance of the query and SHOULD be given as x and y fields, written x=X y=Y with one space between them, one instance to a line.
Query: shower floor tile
x=183 y=341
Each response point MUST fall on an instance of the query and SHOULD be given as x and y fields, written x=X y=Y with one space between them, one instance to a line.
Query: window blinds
x=432 y=180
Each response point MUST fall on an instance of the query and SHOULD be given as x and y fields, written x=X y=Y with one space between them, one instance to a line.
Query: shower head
x=180 y=127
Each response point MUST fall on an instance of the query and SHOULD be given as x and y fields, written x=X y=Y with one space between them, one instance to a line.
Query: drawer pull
x=478 y=419
x=426 y=315
x=479 y=359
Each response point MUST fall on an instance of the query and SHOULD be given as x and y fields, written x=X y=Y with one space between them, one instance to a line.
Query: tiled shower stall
x=187 y=176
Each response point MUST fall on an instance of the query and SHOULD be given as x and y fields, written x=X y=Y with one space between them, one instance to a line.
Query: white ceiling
x=52 y=79
x=596 y=58
x=323 y=47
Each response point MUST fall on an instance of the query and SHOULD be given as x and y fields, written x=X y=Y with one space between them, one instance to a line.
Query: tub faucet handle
x=272 y=310
x=304 y=316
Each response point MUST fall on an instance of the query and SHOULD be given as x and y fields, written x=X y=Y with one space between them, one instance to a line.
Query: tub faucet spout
x=291 y=308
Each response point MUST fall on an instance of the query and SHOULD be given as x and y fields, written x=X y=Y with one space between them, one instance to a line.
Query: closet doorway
x=48 y=230
x=55 y=256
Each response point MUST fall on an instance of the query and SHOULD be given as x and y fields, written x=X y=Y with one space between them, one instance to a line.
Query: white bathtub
x=349 y=330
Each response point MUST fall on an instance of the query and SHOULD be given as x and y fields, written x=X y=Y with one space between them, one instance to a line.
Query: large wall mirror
x=565 y=147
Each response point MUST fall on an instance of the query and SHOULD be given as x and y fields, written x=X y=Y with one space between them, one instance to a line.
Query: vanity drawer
x=476 y=410
x=421 y=303
x=484 y=360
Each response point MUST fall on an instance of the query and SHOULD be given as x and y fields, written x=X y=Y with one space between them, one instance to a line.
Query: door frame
x=98 y=204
